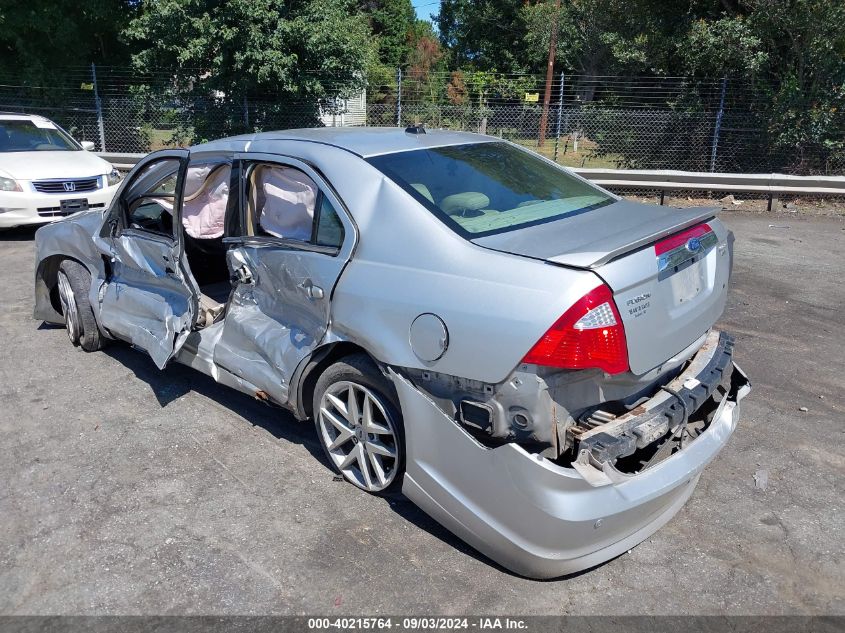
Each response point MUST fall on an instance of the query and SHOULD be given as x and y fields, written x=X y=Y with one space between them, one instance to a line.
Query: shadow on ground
x=19 y=234
x=177 y=380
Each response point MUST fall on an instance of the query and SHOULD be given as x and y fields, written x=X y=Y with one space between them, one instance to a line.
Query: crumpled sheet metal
x=530 y=515
x=149 y=319
x=69 y=237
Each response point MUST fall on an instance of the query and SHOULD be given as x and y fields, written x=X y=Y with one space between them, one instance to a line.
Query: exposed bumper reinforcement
x=532 y=516
x=601 y=438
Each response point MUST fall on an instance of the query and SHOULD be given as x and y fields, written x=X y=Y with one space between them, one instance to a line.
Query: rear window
x=486 y=188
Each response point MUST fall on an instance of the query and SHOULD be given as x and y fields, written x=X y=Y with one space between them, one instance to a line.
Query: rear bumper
x=532 y=516
x=29 y=207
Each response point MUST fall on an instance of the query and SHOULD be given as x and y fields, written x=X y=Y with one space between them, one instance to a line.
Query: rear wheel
x=74 y=282
x=359 y=425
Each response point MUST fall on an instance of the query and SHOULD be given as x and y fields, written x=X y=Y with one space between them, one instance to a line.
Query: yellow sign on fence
x=86 y=87
x=532 y=97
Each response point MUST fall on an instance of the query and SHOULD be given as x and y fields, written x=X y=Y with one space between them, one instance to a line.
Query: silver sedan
x=526 y=356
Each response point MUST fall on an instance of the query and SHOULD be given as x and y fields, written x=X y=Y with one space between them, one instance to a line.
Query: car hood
x=47 y=164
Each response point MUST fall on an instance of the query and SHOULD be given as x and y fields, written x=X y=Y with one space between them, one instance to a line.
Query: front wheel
x=359 y=425
x=74 y=282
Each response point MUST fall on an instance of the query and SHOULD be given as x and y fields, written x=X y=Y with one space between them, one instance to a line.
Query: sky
x=426 y=9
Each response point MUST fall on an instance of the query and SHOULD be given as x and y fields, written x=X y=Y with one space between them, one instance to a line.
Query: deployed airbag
x=206 y=196
x=285 y=202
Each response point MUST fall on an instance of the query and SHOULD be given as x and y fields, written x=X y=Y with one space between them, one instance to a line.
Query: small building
x=345 y=112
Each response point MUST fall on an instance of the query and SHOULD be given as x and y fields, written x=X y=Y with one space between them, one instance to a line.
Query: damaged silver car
x=528 y=357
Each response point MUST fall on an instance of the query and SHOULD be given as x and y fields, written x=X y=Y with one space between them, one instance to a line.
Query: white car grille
x=69 y=186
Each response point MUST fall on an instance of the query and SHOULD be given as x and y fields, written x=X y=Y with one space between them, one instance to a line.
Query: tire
x=74 y=283
x=370 y=452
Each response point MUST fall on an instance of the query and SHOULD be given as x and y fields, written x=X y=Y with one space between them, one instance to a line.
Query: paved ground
x=129 y=490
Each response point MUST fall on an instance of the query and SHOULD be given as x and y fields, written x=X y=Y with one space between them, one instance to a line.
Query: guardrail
x=124 y=162
x=663 y=180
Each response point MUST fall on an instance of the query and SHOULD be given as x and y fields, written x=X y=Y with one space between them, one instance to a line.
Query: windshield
x=487 y=188
x=26 y=135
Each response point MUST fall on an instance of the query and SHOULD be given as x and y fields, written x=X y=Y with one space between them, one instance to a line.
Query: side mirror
x=88 y=146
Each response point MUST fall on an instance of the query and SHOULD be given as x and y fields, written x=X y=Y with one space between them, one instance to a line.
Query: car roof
x=362 y=141
x=21 y=116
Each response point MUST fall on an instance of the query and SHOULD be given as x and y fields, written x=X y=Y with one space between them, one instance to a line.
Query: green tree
x=484 y=34
x=804 y=46
x=392 y=22
x=608 y=36
x=793 y=53
x=249 y=64
x=39 y=39
x=263 y=47
x=425 y=65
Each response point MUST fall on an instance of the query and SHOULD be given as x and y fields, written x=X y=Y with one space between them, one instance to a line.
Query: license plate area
x=73 y=205
x=688 y=282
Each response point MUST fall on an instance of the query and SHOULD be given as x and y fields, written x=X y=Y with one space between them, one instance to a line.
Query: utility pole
x=547 y=94
x=559 y=112
x=717 y=128
x=398 y=97
x=99 y=106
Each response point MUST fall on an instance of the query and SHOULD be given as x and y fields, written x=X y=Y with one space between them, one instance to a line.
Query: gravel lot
x=126 y=490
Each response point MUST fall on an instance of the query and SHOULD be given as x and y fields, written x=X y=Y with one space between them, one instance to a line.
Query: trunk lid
x=591 y=239
x=668 y=291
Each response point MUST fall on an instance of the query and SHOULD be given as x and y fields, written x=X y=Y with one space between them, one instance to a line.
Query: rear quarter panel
x=495 y=306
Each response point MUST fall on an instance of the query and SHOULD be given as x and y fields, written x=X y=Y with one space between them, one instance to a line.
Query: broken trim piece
x=607 y=437
x=531 y=515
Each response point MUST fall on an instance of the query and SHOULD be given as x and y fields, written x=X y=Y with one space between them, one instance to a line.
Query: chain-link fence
x=719 y=125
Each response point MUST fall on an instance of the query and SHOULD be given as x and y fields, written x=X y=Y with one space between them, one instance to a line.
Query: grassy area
x=161 y=139
x=566 y=152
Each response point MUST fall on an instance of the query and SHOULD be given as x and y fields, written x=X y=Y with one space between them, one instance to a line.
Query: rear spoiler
x=595 y=236
x=685 y=218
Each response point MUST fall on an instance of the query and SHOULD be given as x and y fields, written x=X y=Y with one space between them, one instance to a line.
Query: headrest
x=467 y=201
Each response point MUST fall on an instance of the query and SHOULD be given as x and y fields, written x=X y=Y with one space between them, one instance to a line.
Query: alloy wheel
x=68 y=301
x=359 y=435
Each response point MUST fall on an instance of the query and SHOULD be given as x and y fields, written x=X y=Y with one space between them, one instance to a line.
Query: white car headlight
x=9 y=184
x=113 y=178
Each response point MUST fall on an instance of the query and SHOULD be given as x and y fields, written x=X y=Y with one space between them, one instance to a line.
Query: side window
x=329 y=227
x=148 y=202
x=286 y=203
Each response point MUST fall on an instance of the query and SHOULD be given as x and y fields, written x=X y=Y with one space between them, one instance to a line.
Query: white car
x=45 y=174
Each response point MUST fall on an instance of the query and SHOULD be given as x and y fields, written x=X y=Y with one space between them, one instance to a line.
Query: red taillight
x=679 y=239
x=589 y=334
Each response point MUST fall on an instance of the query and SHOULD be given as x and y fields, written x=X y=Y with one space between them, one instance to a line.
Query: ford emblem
x=693 y=244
